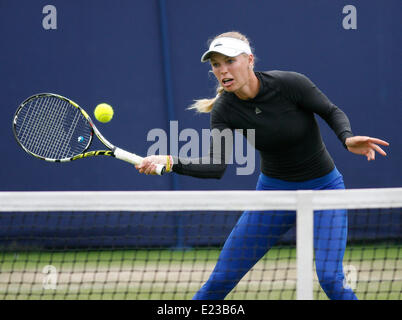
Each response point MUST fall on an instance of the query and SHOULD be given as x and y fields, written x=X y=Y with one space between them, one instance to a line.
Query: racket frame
x=113 y=150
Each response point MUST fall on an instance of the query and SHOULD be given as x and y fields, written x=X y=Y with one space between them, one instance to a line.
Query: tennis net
x=164 y=245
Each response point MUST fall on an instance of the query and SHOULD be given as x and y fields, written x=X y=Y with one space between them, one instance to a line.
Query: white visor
x=230 y=47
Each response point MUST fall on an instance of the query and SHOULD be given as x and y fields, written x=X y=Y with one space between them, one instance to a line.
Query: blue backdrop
x=143 y=57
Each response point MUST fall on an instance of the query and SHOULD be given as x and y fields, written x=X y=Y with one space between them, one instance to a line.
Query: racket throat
x=93 y=154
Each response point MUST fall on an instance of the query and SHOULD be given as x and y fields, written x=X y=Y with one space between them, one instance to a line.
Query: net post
x=304 y=245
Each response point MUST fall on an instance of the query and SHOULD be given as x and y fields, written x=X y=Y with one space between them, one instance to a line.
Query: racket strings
x=36 y=137
x=52 y=128
x=47 y=119
x=72 y=129
x=27 y=122
x=55 y=135
x=28 y=131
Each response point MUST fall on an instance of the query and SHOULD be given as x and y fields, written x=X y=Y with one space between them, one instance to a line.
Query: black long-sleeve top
x=287 y=135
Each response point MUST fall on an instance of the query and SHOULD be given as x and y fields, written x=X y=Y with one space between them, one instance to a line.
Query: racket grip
x=134 y=159
x=160 y=169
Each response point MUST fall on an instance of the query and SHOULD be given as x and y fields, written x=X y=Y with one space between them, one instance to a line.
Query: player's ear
x=251 y=61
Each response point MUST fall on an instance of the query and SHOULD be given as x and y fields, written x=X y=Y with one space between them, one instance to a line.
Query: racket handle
x=160 y=169
x=134 y=159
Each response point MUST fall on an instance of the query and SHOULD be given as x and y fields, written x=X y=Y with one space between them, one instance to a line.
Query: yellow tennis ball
x=103 y=112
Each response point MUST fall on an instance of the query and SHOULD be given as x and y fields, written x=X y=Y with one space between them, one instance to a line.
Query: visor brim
x=229 y=52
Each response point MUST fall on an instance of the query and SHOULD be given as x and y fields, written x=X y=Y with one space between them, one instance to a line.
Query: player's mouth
x=227 y=82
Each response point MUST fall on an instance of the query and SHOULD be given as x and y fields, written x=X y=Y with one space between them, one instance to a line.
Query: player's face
x=233 y=73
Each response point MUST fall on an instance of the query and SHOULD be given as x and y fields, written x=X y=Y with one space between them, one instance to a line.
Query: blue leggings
x=257 y=231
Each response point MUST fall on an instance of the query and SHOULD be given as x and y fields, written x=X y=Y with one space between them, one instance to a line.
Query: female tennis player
x=280 y=106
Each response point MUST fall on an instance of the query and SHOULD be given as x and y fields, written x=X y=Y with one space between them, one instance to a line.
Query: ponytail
x=206 y=105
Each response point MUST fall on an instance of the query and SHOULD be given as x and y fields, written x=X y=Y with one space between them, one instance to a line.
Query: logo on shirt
x=257 y=110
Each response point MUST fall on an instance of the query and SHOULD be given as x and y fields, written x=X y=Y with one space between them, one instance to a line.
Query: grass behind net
x=178 y=274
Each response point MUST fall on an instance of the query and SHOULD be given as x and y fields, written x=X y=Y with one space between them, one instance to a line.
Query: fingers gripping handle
x=134 y=159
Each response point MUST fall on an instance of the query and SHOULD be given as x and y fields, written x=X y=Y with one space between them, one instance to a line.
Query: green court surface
x=374 y=270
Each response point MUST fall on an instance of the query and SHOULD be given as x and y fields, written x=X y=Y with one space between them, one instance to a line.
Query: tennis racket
x=54 y=128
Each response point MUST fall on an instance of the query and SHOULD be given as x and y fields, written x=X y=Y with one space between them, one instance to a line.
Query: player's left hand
x=366 y=146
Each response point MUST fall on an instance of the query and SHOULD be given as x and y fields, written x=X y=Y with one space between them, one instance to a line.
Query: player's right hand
x=148 y=165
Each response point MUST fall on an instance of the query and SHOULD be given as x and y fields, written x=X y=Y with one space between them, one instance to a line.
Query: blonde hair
x=206 y=105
